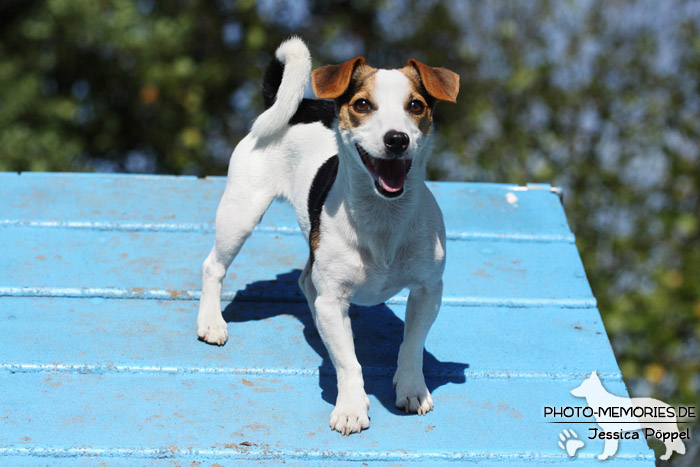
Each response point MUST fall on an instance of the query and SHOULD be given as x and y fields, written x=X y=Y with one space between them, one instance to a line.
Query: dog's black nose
x=396 y=141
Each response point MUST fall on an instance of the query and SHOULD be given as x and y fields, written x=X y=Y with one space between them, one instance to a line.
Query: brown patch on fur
x=314 y=240
x=424 y=121
x=440 y=83
x=331 y=81
x=360 y=87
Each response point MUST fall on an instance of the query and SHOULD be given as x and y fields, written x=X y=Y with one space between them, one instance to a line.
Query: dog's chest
x=379 y=277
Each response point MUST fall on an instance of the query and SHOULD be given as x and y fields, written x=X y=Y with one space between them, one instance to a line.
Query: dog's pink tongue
x=392 y=173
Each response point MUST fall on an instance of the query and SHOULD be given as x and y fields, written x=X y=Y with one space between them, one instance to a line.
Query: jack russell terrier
x=353 y=168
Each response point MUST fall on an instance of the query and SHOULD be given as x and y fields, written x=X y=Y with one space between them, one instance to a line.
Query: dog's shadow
x=377 y=330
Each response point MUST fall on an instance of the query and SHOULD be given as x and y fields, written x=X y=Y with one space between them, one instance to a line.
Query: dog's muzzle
x=389 y=174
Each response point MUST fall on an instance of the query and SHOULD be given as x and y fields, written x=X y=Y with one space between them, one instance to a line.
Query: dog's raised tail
x=284 y=83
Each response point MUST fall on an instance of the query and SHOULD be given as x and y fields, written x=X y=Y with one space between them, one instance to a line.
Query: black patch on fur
x=321 y=185
x=315 y=110
x=309 y=111
x=271 y=82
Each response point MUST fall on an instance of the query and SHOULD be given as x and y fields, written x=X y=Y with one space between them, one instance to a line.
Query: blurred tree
x=601 y=98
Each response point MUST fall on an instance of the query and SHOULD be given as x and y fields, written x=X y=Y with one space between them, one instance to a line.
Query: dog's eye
x=416 y=107
x=362 y=106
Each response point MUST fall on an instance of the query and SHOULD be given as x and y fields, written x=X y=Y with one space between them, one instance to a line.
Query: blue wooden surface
x=99 y=361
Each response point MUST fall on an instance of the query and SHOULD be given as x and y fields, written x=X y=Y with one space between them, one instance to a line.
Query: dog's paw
x=412 y=394
x=350 y=415
x=212 y=331
x=569 y=442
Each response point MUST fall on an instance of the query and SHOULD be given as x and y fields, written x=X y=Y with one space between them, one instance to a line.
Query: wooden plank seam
x=325 y=371
x=251 y=453
x=159 y=294
x=277 y=230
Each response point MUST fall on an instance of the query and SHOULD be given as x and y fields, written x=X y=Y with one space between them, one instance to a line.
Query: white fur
x=370 y=247
x=295 y=56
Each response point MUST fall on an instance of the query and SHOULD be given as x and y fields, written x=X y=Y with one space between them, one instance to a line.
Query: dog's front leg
x=412 y=394
x=609 y=450
x=333 y=324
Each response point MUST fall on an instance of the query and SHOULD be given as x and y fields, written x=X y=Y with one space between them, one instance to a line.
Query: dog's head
x=588 y=387
x=385 y=116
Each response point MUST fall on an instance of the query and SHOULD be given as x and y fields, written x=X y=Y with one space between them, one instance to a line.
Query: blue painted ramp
x=100 y=363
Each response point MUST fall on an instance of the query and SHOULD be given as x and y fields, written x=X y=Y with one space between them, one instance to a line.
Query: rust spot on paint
x=482 y=273
x=264 y=390
x=253 y=427
x=41 y=257
x=246 y=382
x=429 y=428
x=503 y=407
x=175 y=293
x=520 y=272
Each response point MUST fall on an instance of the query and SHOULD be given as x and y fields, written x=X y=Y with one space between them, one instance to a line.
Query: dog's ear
x=441 y=83
x=331 y=81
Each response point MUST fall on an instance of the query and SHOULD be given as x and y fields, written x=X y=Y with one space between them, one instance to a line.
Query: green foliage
x=600 y=98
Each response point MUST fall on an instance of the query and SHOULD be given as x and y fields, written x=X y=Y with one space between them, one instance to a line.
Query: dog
x=352 y=164
x=614 y=425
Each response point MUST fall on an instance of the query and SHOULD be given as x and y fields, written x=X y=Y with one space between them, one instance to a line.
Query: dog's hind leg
x=240 y=210
x=673 y=446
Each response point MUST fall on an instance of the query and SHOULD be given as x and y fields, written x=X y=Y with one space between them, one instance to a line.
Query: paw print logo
x=569 y=442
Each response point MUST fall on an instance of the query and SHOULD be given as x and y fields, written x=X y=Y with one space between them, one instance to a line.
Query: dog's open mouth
x=389 y=174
